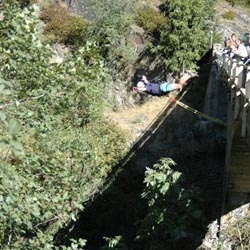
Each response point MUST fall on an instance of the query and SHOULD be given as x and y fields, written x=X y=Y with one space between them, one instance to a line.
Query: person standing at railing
x=247 y=43
x=241 y=51
x=231 y=44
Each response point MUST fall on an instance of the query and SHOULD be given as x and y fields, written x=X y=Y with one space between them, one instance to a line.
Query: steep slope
x=239 y=25
x=136 y=119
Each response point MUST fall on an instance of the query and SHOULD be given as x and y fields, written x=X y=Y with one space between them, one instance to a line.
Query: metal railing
x=236 y=74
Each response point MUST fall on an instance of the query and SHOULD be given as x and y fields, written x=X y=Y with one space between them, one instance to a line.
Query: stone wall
x=212 y=241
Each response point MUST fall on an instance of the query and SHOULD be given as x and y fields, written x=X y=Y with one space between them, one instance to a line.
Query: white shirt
x=242 y=50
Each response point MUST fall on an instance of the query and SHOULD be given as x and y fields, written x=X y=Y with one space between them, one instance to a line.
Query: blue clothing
x=166 y=87
x=159 y=89
x=153 y=88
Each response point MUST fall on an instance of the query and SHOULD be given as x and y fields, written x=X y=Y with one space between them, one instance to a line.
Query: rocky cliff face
x=81 y=8
x=239 y=25
x=229 y=222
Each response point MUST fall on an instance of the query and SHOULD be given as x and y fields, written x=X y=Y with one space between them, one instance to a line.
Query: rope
x=207 y=117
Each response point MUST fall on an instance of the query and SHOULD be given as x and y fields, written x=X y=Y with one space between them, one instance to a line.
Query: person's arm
x=140 y=89
x=144 y=79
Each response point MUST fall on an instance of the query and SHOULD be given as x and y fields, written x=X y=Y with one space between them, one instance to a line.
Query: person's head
x=140 y=84
x=233 y=37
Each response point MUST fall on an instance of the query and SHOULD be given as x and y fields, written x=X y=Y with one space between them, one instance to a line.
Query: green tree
x=186 y=36
x=171 y=208
x=115 y=243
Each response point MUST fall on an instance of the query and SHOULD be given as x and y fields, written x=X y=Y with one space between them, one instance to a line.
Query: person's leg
x=168 y=87
x=183 y=80
x=174 y=86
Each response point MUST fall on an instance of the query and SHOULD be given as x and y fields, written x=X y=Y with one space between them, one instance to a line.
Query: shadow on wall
x=120 y=209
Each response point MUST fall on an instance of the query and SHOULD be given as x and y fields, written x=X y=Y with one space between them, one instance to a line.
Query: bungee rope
x=194 y=111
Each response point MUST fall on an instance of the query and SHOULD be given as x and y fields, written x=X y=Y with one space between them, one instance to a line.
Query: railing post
x=245 y=127
x=238 y=83
x=232 y=75
x=247 y=86
x=225 y=62
x=233 y=68
x=240 y=75
x=233 y=80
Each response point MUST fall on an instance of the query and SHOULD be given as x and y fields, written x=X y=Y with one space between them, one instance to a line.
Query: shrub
x=237 y=234
x=229 y=15
x=150 y=19
x=172 y=209
x=110 y=31
x=63 y=27
x=75 y=32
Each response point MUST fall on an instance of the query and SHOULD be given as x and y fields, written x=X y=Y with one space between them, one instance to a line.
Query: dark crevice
x=199 y=153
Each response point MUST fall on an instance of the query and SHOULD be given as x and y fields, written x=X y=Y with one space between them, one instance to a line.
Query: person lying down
x=161 y=88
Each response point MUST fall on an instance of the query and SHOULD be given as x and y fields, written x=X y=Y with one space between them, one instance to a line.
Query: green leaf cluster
x=115 y=243
x=172 y=210
x=186 y=36
x=229 y=15
x=22 y=50
x=47 y=188
x=10 y=125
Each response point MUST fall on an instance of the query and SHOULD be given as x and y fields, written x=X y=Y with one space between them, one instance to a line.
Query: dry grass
x=135 y=120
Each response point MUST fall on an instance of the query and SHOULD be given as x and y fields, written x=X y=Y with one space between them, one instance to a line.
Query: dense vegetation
x=186 y=31
x=166 y=220
x=56 y=149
